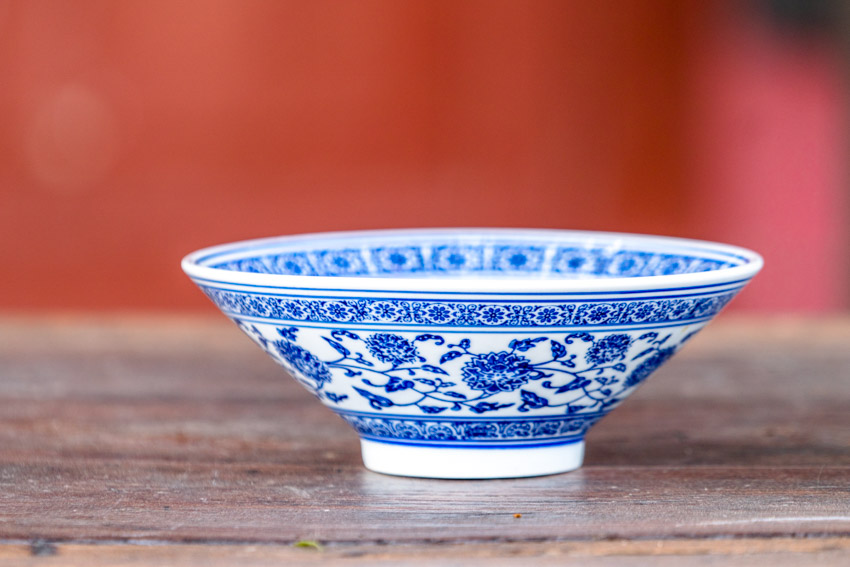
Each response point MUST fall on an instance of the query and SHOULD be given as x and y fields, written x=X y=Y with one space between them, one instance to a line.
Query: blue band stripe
x=566 y=297
x=483 y=444
x=485 y=419
x=199 y=280
x=466 y=314
x=541 y=329
x=473 y=433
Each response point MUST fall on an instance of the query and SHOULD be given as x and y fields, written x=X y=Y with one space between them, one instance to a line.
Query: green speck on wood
x=309 y=544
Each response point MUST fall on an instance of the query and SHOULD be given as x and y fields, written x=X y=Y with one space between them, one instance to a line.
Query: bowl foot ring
x=471 y=463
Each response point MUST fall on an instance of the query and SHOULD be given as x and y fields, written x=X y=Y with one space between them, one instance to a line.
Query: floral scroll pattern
x=428 y=374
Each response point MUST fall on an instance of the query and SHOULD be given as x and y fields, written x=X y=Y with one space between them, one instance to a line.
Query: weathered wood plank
x=774 y=552
x=179 y=430
x=341 y=503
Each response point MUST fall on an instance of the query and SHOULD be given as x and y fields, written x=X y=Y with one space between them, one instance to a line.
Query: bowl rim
x=753 y=262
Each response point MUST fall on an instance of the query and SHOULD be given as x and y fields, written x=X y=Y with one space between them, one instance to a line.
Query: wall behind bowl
x=135 y=132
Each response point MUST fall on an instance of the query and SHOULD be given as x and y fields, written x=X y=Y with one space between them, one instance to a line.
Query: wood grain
x=773 y=552
x=168 y=430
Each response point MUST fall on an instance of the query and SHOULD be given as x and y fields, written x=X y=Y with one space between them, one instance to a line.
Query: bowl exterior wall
x=467 y=371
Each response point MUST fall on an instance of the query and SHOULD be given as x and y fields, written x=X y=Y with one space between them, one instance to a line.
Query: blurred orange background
x=134 y=132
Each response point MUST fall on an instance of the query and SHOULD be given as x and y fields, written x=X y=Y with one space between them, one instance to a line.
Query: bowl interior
x=475 y=254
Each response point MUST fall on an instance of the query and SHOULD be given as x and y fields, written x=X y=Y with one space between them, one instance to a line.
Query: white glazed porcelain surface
x=440 y=345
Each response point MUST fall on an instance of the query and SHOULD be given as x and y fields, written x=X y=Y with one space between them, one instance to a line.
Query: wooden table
x=167 y=440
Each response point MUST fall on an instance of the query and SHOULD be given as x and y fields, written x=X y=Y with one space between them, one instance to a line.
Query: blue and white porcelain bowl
x=471 y=353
